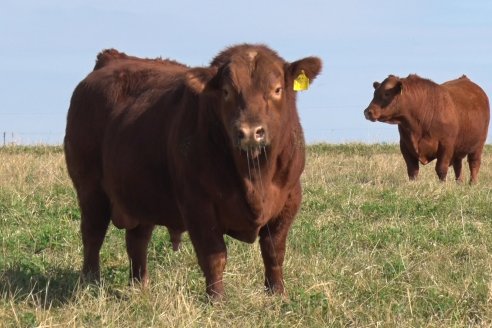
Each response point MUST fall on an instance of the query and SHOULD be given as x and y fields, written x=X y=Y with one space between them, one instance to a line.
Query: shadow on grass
x=55 y=289
x=24 y=283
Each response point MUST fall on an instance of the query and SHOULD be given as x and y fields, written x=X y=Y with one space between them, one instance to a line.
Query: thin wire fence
x=313 y=136
x=10 y=138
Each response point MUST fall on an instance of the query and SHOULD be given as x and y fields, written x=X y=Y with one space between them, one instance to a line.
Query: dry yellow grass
x=368 y=249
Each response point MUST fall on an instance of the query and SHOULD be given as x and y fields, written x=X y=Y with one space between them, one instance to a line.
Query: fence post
x=4 y=134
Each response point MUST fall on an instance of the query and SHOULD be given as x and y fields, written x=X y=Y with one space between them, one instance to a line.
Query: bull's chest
x=241 y=219
x=427 y=150
x=424 y=148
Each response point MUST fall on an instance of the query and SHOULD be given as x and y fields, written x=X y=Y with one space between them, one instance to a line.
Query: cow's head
x=384 y=105
x=253 y=94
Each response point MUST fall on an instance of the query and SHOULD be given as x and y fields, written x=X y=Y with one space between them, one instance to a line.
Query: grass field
x=368 y=249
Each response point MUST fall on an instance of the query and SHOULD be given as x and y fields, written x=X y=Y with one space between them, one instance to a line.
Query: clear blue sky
x=47 y=47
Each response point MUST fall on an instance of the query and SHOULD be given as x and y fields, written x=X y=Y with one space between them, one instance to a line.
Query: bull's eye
x=225 y=93
x=277 y=92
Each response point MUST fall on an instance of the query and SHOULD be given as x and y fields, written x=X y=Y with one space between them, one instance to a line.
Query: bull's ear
x=198 y=78
x=398 y=87
x=311 y=66
x=376 y=85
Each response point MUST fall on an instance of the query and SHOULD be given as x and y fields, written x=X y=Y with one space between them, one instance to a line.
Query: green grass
x=368 y=249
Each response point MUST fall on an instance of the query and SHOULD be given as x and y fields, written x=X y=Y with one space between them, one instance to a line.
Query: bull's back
x=116 y=80
x=472 y=107
x=110 y=135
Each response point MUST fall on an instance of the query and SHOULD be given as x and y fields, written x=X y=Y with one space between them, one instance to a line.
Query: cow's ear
x=309 y=66
x=376 y=85
x=398 y=87
x=198 y=78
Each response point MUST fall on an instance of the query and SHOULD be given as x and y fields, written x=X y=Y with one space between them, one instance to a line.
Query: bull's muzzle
x=251 y=137
x=368 y=114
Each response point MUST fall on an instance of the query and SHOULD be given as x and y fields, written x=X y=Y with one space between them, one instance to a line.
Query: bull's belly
x=128 y=210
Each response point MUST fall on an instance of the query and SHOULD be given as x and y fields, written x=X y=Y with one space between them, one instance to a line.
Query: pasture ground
x=368 y=249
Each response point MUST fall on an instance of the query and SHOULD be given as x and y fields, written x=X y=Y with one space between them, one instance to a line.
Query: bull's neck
x=255 y=174
x=416 y=125
x=417 y=112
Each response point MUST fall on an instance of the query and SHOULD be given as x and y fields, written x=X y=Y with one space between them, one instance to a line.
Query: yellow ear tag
x=301 y=82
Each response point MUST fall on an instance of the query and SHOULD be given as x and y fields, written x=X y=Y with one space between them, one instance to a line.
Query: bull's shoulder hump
x=109 y=57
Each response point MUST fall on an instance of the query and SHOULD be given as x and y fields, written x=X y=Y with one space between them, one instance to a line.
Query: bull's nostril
x=241 y=134
x=260 y=134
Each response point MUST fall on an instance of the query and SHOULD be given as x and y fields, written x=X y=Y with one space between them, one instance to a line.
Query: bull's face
x=254 y=97
x=252 y=103
x=384 y=105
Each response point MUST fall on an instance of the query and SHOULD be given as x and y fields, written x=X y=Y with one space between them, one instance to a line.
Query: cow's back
x=100 y=136
x=116 y=79
x=472 y=108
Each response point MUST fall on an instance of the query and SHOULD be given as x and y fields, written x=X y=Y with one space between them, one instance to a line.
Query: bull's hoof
x=90 y=277
x=142 y=283
x=275 y=289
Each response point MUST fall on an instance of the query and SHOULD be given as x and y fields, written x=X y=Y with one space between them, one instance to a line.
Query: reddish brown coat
x=211 y=150
x=447 y=121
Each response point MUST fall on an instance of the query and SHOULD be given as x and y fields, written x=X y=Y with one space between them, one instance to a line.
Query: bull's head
x=253 y=94
x=384 y=105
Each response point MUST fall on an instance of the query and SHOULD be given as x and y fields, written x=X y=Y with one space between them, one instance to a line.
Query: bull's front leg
x=273 y=238
x=208 y=242
x=411 y=161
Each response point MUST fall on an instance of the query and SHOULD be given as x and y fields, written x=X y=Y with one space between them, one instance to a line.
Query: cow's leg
x=273 y=238
x=175 y=236
x=212 y=257
x=411 y=161
x=95 y=216
x=137 y=242
x=457 y=165
x=474 y=161
x=209 y=245
x=444 y=156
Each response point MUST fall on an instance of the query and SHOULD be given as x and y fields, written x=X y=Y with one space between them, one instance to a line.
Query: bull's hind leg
x=457 y=165
x=137 y=242
x=444 y=157
x=273 y=237
x=474 y=161
x=95 y=216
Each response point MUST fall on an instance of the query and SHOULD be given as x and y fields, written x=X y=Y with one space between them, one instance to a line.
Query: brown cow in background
x=211 y=150
x=447 y=121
